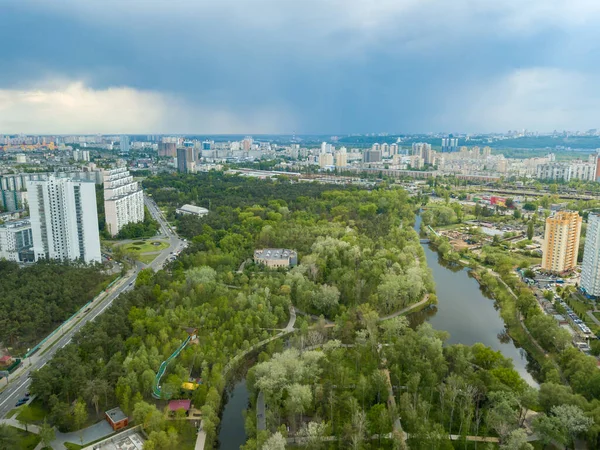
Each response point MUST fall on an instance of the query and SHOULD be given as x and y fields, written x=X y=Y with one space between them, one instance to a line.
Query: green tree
x=573 y=420
x=530 y=230
x=8 y=437
x=47 y=433
x=80 y=417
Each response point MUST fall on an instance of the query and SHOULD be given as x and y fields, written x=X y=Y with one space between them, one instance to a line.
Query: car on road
x=21 y=401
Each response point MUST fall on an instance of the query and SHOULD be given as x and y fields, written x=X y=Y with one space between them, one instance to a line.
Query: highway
x=19 y=381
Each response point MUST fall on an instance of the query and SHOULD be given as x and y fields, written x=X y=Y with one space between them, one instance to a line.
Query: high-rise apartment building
x=185 y=159
x=590 y=268
x=64 y=219
x=449 y=144
x=385 y=150
x=561 y=241
x=167 y=149
x=371 y=156
x=123 y=200
x=325 y=160
x=341 y=157
x=124 y=144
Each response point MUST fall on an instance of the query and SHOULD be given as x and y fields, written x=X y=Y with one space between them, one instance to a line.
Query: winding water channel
x=463 y=310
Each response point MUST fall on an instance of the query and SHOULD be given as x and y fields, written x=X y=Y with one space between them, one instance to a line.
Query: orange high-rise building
x=561 y=241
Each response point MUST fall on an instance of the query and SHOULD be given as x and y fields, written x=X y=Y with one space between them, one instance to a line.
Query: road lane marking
x=14 y=392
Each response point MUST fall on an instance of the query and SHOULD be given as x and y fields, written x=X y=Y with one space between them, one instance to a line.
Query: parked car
x=21 y=402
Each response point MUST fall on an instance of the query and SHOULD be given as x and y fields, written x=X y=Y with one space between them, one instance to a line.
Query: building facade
x=561 y=241
x=185 y=159
x=590 y=268
x=16 y=241
x=123 y=200
x=64 y=219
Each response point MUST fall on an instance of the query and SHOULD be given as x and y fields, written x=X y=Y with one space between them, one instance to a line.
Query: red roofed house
x=6 y=361
x=175 y=405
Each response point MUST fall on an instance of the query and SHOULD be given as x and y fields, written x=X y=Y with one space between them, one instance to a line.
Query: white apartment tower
x=123 y=199
x=64 y=219
x=590 y=268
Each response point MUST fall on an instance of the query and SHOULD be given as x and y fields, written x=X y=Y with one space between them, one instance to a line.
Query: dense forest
x=36 y=299
x=359 y=259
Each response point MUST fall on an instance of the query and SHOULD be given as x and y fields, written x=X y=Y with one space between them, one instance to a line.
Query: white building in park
x=193 y=210
x=276 y=257
x=64 y=219
x=123 y=200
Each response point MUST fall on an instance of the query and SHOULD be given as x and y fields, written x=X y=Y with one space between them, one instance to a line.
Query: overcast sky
x=309 y=66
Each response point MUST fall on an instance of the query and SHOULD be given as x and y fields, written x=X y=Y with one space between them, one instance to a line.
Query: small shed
x=116 y=418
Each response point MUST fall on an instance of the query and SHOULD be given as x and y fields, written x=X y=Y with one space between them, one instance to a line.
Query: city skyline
x=310 y=67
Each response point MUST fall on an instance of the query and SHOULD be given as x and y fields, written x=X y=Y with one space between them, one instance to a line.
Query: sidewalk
x=90 y=434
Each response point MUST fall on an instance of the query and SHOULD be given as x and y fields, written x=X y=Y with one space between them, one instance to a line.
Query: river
x=467 y=313
x=232 y=433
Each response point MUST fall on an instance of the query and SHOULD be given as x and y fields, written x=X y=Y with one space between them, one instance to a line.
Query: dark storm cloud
x=331 y=66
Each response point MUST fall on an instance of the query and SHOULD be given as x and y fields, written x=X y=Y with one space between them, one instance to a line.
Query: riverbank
x=506 y=299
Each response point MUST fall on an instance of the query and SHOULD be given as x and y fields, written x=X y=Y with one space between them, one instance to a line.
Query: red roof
x=174 y=405
x=5 y=358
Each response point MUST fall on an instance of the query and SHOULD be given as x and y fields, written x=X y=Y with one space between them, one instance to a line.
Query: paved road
x=19 y=381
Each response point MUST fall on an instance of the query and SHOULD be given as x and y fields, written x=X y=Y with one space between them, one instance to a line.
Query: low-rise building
x=193 y=210
x=116 y=418
x=276 y=257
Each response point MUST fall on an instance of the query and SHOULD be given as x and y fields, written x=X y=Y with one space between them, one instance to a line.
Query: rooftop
x=174 y=405
x=116 y=415
x=274 y=253
x=193 y=209
x=17 y=224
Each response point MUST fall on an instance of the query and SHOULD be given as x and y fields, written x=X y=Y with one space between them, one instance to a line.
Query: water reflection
x=469 y=314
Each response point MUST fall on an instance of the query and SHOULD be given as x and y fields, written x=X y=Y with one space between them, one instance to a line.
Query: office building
x=16 y=241
x=124 y=144
x=561 y=241
x=64 y=219
x=590 y=268
x=123 y=200
x=393 y=149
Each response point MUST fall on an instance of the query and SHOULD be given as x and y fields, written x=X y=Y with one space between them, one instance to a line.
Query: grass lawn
x=147 y=246
x=12 y=412
x=32 y=413
x=71 y=446
x=25 y=440
x=146 y=259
